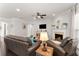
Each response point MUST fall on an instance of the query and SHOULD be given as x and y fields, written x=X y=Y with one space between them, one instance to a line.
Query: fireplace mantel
x=59 y=33
x=62 y=32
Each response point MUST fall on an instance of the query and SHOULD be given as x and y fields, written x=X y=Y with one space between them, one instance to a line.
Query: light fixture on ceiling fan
x=38 y=16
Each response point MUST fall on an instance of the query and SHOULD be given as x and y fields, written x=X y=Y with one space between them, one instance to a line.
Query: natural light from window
x=76 y=22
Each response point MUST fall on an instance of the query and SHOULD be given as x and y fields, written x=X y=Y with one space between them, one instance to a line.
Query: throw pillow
x=33 y=40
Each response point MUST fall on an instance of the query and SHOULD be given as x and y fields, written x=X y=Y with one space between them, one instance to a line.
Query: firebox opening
x=58 y=37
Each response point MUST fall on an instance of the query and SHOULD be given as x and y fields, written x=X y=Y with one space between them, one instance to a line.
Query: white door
x=2 y=34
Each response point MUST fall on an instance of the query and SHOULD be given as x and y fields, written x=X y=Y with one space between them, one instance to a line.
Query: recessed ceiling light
x=17 y=9
x=53 y=14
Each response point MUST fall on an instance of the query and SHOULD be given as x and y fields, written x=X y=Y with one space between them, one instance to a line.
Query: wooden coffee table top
x=49 y=51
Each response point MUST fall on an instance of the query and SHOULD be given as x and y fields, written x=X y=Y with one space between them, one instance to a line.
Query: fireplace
x=59 y=37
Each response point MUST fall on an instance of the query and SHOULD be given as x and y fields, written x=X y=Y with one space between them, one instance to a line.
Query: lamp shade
x=43 y=36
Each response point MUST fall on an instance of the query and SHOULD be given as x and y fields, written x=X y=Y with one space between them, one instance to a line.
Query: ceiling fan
x=39 y=15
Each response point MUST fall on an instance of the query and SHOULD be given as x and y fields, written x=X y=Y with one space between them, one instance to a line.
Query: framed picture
x=64 y=25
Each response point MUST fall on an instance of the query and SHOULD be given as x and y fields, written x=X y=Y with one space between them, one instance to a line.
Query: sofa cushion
x=56 y=42
x=33 y=41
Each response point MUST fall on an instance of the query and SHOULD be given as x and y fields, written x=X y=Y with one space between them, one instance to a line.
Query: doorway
x=3 y=32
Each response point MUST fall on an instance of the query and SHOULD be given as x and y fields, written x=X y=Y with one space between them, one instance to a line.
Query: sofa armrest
x=57 y=49
x=33 y=48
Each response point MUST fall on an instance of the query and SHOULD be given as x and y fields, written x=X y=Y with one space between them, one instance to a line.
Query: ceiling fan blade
x=43 y=15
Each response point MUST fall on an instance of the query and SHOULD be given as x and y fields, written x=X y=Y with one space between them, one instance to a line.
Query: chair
x=64 y=49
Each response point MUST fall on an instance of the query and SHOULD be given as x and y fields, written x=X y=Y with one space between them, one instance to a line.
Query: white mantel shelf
x=59 y=31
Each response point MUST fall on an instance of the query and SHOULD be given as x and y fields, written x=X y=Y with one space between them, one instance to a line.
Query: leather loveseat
x=66 y=47
x=21 y=46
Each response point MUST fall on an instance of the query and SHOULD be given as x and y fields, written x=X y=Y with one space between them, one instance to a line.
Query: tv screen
x=42 y=26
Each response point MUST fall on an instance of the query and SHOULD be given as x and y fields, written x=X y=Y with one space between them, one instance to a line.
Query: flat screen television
x=42 y=26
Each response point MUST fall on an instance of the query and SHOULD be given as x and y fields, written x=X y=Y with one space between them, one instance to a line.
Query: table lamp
x=44 y=38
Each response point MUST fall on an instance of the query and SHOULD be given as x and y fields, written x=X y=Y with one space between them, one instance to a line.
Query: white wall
x=64 y=17
x=15 y=26
x=36 y=23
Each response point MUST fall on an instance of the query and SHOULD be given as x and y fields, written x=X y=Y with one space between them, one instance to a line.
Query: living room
x=23 y=20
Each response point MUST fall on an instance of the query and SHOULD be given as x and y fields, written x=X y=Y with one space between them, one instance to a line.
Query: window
x=76 y=22
x=76 y=26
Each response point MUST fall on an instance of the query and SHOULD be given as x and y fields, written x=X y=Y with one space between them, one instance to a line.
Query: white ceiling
x=29 y=9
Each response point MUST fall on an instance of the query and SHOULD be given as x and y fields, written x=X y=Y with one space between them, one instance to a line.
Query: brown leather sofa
x=21 y=46
x=66 y=47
